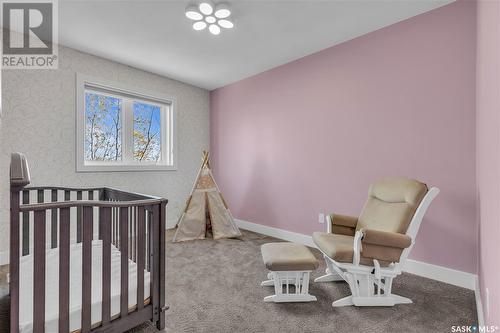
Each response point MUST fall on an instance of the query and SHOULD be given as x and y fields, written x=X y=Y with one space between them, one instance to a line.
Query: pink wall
x=310 y=136
x=488 y=154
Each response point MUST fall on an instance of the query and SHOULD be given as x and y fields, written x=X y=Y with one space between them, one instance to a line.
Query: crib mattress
x=75 y=298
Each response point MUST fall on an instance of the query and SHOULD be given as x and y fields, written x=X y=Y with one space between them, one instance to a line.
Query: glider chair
x=369 y=251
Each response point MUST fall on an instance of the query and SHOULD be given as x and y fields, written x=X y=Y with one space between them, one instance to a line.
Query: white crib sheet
x=75 y=299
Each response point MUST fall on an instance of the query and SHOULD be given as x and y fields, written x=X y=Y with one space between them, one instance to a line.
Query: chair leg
x=362 y=286
x=400 y=299
x=329 y=278
x=389 y=300
x=290 y=298
x=267 y=283
x=346 y=301
x=331 y=275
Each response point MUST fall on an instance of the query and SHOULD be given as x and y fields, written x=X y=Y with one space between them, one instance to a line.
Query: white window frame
x=168 y=159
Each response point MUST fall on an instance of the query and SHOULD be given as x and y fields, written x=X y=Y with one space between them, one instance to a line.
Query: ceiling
x=156 y=36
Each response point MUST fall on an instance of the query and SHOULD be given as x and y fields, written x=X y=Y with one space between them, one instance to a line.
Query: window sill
x=125 y=168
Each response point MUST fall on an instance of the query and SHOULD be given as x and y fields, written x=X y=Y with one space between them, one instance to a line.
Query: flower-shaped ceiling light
x=206 y=15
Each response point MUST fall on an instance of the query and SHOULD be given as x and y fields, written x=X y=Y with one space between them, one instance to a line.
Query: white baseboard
x=276 y=233
x=479 y=304
x=439 y=273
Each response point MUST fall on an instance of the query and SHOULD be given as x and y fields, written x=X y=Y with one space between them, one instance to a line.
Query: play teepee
x=205 y=209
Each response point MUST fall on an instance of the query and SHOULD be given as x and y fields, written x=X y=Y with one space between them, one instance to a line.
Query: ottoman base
x=281 y=280
x=289 y=264
x=289 y=298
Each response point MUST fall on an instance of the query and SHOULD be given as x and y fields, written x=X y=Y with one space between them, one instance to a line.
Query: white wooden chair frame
x=372 y=285
x=300 y=279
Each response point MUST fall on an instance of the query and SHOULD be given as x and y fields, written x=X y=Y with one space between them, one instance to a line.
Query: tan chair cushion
x=381 y=253
x=343 y=224
x=383 y=245
x=391 y=204
x=288 y=257
x=344 y=220
x=337 y=247
x=341 y=230
x=341 y=248
x=384 y=238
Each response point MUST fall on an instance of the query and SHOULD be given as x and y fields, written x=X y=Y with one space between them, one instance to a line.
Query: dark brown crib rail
x=132 y=222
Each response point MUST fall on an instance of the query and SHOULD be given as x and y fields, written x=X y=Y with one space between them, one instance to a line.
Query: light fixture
x=222 y=11
x=214 y=29
x=192 y=13
x=206 y=8
x=200 y=25
x=226 y=24
x=208 y=15
x=210 y=19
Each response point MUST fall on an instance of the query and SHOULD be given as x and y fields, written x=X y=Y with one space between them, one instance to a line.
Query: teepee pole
x=214 y=201
x=220 y=193
x=204 y=161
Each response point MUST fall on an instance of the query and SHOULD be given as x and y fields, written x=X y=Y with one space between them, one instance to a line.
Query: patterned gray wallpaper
x=39 y=120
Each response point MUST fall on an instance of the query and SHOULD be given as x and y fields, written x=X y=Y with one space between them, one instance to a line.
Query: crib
x=84 y=259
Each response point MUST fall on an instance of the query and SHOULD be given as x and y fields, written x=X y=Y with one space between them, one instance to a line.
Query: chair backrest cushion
x=391 y=204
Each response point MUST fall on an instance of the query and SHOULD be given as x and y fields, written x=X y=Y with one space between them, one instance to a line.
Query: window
x=103 y=127
x=122 y=129
x=147 y=132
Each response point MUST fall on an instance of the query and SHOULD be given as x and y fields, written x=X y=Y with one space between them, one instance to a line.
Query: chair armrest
x=382 y=245
x=343 y=224
x=385 y=238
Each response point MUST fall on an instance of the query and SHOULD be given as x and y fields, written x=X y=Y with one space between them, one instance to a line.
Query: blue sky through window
x=147 y=132
x=103 y=132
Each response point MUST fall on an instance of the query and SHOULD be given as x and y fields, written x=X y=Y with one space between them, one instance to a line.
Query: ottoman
x=289 y=264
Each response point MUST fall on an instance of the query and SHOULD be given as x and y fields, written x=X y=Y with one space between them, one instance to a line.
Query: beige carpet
x=214 y=286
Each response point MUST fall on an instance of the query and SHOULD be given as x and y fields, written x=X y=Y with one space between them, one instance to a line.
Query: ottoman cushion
x=288 y=257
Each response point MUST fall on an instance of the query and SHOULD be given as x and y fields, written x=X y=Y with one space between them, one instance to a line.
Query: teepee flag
x=205 y=208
